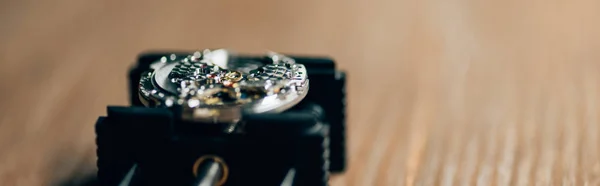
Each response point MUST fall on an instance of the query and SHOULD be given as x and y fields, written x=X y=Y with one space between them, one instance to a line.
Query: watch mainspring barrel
x=216 y=86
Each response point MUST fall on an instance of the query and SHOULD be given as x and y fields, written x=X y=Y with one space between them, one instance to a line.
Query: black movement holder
x=150 y=146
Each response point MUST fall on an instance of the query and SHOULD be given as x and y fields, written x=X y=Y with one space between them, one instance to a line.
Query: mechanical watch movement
x=217 y=86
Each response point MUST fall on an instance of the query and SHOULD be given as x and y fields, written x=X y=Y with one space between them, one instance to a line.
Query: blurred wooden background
x=441 y=92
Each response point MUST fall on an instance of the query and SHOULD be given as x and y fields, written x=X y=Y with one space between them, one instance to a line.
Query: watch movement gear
x=217 y=86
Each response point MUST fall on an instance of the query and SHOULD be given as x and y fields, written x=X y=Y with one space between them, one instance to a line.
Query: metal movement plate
x=216 y=86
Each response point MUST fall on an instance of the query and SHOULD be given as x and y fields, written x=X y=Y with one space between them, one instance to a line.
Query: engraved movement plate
x=217 y=86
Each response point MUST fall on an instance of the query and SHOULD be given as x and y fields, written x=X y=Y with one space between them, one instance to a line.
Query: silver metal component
x=128 y=177
x=289 y=178
x=216 y=86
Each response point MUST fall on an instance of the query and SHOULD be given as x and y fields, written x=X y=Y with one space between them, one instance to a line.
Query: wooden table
x=441 y=92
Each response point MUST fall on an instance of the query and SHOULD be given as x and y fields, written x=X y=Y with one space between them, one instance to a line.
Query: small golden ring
x=216 y=159
x=234 y=76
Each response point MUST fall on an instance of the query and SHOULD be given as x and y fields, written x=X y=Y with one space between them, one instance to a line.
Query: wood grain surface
x=441 y=92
